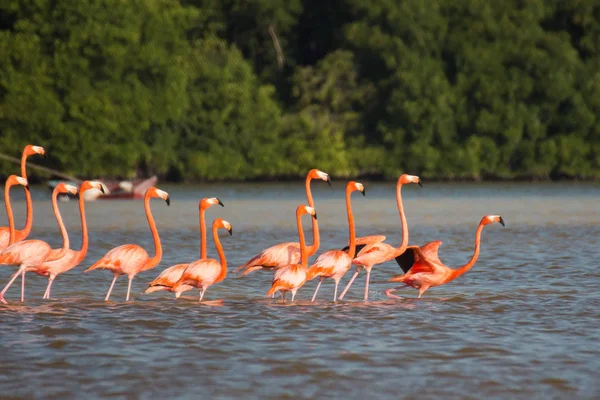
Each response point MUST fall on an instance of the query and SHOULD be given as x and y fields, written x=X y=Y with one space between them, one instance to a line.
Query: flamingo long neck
x=61 y=226
x=84 y=231
x=29 y=218
x=9 y=213
x=303 y=254
x=352 y=250
x=404 y=242
x=222 y=259
x=202 y=233
x=459 y=271
x=312 y=249
x=157 y=245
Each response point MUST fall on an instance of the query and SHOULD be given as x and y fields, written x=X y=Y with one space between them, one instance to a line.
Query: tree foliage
x=237 y=89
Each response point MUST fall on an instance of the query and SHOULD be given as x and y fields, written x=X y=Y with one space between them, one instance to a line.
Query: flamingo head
x=356 y=186
x=405 y=179
x=210 y=201
x=63 y=187
x=87 y=185
x=31 y=150
x=160 y=194
x=490 y=219
x=316 y=174
x=302 y=209
x=221 y=223
x=16 y=180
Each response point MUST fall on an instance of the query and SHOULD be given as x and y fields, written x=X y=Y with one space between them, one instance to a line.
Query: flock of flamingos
x=421 y=265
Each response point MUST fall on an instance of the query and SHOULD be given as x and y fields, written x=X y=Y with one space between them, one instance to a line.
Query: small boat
x=113 y=189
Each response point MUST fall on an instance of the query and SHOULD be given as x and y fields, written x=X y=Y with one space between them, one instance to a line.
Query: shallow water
x=523 y=323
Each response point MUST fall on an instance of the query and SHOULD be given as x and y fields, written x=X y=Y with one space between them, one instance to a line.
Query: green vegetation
x=253 y=89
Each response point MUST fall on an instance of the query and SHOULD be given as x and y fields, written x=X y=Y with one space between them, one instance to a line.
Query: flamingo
x=377 y=253
x=423 y=268
x=166 y=279
x=335 y=263
x=131 y=259
x=288 y=253
x=21 y=234
x=206 y=272
x=72 y=258
x=30 y=253
x=291 y=277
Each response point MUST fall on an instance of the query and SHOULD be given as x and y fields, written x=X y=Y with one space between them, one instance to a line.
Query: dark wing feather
x=359 y=247
x=407 y=259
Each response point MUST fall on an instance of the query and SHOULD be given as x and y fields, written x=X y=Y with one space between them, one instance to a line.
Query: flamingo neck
x=403 y=221
x=84 y=231
x=459 y=271
x=312 y=249
x=157 y=245
x=202 y=234
x=29 y=217
x=61 y=226
x=352 y=249
x=222 y=259
x=303 y=253
x=9 y=213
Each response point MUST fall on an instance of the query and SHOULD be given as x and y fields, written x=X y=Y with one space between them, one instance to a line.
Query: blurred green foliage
x=252 y=89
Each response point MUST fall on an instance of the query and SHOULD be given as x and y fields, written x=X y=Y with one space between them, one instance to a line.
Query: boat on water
x=113 y=189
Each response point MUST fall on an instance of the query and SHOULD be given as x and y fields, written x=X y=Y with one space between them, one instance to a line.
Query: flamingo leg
x=293 y=295
x=349 y=284
x=12 y=279
x=367 y=284
x=129 y=288
x=47 y=294
x=389 y=294
x=201 y=294
x=337 y=282
x=422 y=290
x=318 y=286
x=23 y=286
x=111 y=287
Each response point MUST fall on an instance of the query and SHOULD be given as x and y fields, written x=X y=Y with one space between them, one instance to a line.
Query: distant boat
x=113 y=189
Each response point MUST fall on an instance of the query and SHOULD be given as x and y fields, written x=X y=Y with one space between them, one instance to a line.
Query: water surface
x=523 y=323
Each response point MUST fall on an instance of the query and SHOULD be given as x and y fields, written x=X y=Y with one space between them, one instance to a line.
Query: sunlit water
x=523 y=323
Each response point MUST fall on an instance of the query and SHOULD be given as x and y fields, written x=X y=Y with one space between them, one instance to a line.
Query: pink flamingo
x=288 y=253
x=30 y=253
x=423 y=268
x=72 y=258
x=131 y=259
x=377 y=253
x=204 y=273
x=21 y=234
x=291 y=277
x=166 y=279
x=335 y=263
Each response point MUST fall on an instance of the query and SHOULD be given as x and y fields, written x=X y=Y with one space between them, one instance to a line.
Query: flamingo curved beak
x=220 y=203
x=230 y=230
x=501 y=221
x=364 y=192
x=168 y=200
x=419 y=182
x=328 y=181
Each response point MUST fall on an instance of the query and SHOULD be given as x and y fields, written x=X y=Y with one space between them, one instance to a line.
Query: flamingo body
x=200 y=274
x=288 y=279
x=423 y=268
x=167 y=279
x=274 y=257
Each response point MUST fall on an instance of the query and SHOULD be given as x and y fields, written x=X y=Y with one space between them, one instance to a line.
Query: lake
x=523 y=323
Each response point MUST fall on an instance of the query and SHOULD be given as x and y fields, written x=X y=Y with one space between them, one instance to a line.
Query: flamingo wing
x=124 y=259
x=273 y=257
x=374 y=253
x=429 y=251
x=67 y=262
x=364 y=241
